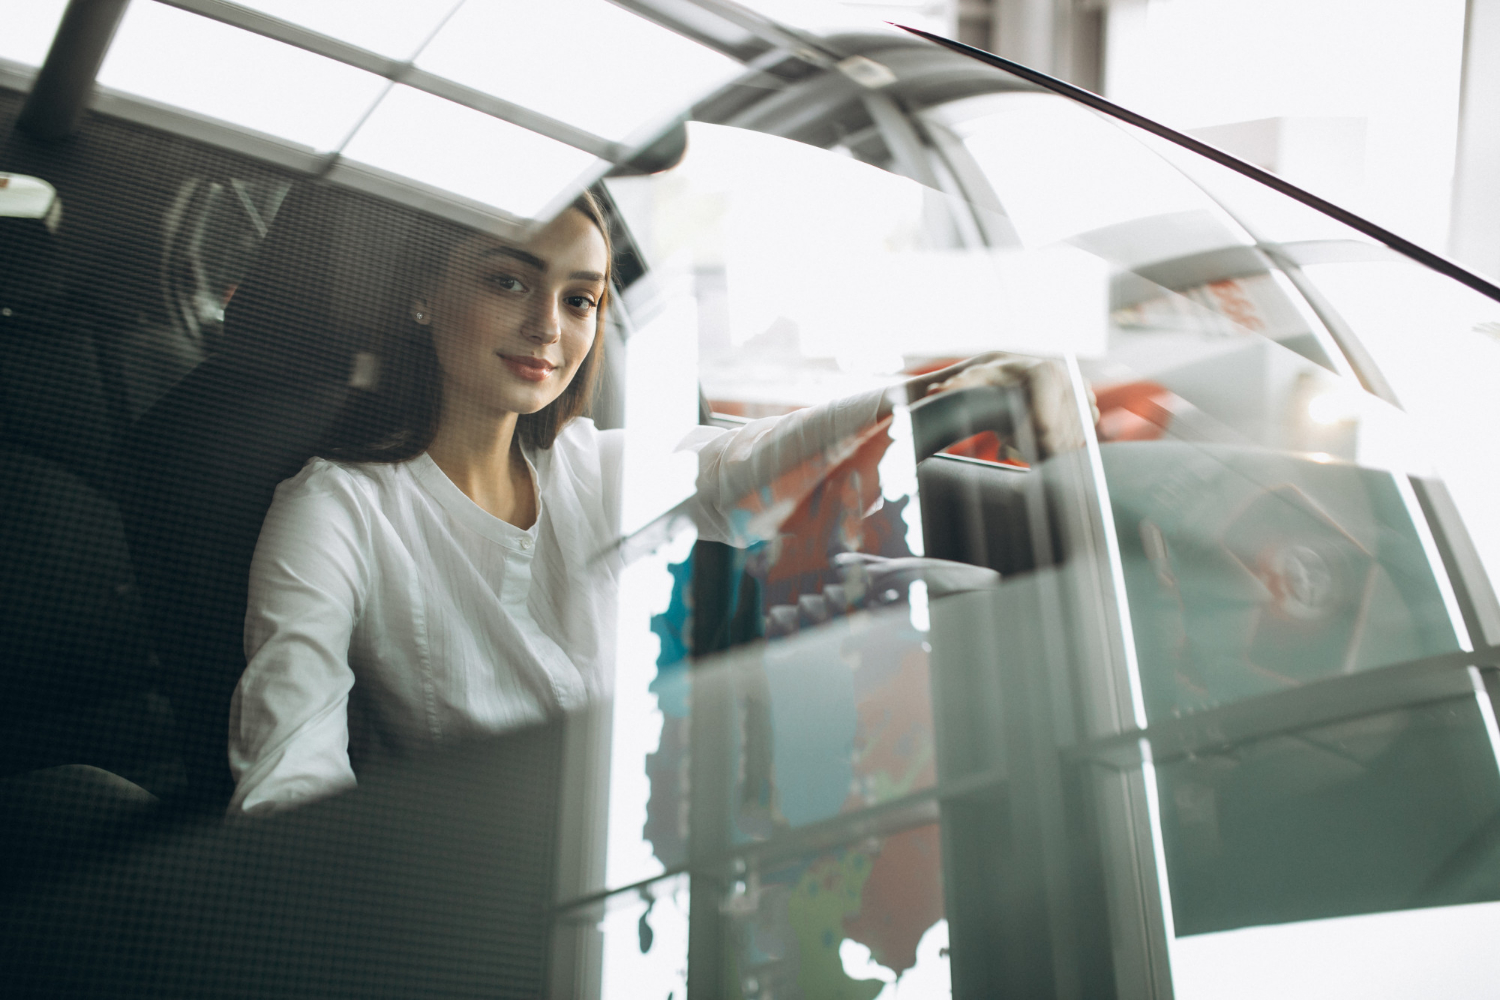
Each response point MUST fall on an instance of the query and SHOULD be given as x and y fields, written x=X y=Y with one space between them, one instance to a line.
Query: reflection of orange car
x=1133 y=411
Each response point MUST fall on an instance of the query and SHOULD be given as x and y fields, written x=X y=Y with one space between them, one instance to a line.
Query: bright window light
x=199 y=65
x=394 y=28
x=855 y=15
x=1295 y=59
x=587 y=62
x=29 y=27
x=1439 y=952
x=1060 y=171
x=452 y=147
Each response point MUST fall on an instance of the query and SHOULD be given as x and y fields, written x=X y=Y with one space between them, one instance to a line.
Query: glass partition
x=1251 y=519
x=1160 y=651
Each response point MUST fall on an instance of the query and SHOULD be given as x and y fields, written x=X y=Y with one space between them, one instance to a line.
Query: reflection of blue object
x=671 y=685
x=643 y=930
x=813 y=726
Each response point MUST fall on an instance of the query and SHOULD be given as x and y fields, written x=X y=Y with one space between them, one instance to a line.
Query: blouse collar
x=464 y=510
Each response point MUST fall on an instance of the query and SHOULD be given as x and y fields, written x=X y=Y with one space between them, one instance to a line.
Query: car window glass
x=613 y=100
x=210 y=235
x=1439 y=345
x=815 y=275
x=395 y=28
x=1209 y=684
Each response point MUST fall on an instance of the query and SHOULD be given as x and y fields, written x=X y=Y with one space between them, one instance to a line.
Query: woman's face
x=512 y=322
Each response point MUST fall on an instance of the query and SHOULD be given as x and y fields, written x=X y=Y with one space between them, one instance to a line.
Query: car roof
x=475 y=112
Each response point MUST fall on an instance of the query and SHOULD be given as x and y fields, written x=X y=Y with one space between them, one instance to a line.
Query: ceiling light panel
x=28 y=27
x=199 y=65
x=586 y=62
x=462 y=151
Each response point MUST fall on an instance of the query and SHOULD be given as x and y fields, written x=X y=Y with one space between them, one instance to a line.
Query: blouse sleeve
x=734 y=464
x=288 y=721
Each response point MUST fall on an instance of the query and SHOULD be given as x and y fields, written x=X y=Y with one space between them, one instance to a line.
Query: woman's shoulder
x=582 y=436
x=356 y=482
x=582 y=445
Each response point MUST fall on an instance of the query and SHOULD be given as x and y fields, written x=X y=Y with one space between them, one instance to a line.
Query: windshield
x=1265 y=506
x=626 y=498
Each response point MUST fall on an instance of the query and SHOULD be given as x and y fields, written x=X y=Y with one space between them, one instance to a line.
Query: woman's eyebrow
x=517 y=254
x=533 y=260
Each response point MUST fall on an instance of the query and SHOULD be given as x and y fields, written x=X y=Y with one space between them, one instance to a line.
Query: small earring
x=420 y=317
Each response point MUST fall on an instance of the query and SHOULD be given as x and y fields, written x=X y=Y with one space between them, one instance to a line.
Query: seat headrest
x=30 y=273
x=332 y=276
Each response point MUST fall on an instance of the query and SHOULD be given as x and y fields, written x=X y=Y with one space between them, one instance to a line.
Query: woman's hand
x=1045 y=381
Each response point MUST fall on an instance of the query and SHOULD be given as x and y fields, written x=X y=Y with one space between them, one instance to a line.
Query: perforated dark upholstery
x=432 y=880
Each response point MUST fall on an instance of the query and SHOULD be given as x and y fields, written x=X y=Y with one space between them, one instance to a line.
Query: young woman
x=437 y=575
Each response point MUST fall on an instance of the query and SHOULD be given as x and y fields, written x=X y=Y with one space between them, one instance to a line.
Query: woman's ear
x=421 y=312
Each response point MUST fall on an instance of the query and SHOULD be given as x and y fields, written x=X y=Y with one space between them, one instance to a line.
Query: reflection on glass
x=471 y=154
x=638 y=73
x=1438 y=344
x=836 y=720
x=648 y=755
x=1060 y=171
x=1265 y=502
x=392 y=28
x=645 y=941
x=1441 y=951
x=1270 y=533
x=199 y=65
x=1251 y=571
x=825 y=722
x=1264 y=212
x=210 y=239
x=862 y=921
x=1388 y=812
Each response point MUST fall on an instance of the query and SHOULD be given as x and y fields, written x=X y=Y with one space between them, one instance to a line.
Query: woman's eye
x=584 y=302
x=506 y=282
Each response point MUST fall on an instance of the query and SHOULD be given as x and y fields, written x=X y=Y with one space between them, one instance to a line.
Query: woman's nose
x=544 y=324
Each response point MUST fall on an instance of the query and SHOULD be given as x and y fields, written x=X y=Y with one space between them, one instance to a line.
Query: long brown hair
x=397 y=419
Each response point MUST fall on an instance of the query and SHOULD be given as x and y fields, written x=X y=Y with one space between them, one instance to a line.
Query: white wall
x=1393 y=64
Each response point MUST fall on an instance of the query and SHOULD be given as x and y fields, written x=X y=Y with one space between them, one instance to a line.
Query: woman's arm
x=288 y=723
x=734 y=464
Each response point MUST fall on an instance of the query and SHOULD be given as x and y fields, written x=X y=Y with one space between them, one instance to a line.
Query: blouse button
x=525 y=543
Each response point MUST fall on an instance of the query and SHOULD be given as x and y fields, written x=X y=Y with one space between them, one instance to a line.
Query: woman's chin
x=527 y=399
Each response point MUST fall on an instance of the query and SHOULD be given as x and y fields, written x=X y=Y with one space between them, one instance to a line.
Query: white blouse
x=386 y=583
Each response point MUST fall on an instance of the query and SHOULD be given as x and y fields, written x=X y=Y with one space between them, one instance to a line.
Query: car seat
x=75 y=684
x=207 y=456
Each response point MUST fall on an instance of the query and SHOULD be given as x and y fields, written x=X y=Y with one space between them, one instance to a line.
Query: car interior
x=950 y=708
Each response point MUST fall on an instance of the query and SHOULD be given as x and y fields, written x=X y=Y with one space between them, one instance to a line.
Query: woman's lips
x=531 y=369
